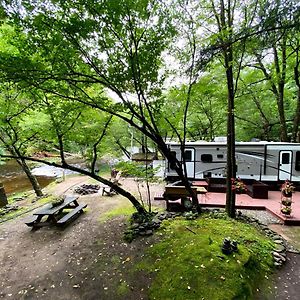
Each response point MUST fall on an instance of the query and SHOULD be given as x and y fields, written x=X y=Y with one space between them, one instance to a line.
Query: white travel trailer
x=263 y=161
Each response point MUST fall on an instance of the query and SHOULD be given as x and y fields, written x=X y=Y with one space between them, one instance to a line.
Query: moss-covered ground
x=188 y=262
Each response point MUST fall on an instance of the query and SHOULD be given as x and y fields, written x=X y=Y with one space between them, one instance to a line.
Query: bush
x=132 y=169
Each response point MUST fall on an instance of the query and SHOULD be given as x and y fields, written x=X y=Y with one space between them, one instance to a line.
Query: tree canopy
x=167 y=69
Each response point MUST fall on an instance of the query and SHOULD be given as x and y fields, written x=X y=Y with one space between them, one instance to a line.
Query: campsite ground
x=90 y=260
x=86 y=260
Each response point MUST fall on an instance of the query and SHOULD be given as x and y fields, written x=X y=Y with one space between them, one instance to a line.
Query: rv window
x=220 y=156
x=188 y=155
x=207 y=158
x=285 y=159
x=297 y=162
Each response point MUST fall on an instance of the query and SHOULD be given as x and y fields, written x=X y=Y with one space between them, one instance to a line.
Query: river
x=14 y=179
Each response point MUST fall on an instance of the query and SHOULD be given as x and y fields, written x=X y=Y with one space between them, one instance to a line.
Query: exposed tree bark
x=296 y=123
x=96 y=144
x=33 y=180
x=281 y=79
x=11 y=148
x=225 y=24
x=228 y=60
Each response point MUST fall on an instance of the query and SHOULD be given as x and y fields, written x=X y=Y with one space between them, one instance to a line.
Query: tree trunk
x=296 y=122
x=226 y=21
x=3 y=198
x=277 y=83
x=280 y=105
x=231 y=164
x=281 y=78
x=35 y=184
x=140 y=209
x=177 y=166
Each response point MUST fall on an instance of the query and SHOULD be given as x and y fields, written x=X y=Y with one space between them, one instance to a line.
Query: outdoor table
x=54 y=215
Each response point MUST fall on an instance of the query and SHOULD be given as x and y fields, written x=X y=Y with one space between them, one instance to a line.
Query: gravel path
x=263 y=216
x=284 y=284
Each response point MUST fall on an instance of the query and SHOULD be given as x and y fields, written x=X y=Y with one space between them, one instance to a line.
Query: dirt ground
x=89 y=260
x=86 y=260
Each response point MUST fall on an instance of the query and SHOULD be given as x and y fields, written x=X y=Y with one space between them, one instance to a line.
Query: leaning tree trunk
x=140 y=209
x=35 y=184
x=177 y=166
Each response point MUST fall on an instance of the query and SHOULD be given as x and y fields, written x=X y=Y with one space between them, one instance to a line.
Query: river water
x=14 y=179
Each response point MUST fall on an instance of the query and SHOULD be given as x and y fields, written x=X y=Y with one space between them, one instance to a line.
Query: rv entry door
x=285 y=165
x=189 y=155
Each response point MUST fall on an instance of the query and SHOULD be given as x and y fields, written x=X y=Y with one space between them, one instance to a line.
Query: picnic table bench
x=55 y=215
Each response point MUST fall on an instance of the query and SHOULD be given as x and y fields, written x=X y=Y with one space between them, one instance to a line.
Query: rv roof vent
x=255 y=140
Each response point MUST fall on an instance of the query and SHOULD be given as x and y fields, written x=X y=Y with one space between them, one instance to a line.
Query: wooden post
x=3 y=198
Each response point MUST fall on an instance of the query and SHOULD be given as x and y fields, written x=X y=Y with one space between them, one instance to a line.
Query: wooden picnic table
x=55 y=215
x=173 y=192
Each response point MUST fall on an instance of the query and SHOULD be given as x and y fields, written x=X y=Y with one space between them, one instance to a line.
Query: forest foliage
x=97 y=77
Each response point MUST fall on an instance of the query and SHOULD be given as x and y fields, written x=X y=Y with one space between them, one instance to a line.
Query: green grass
x=123 y=289
x=192 y=266
x=124 y=209
x=12 y=214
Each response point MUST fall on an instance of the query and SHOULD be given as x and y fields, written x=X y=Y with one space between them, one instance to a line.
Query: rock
x=276 y=256
x=279 y=248
x=278 y=260
x=86 y=189
x=264 y=227
x=276 y=237
x=280 y=242
x=171 y=215
x=162 y=216
x=134 y=225
x=149 y=232
x=276 y=264
x=18 y=199
x=292 y=249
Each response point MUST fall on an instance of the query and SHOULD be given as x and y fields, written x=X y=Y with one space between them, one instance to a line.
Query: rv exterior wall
x=262 y=161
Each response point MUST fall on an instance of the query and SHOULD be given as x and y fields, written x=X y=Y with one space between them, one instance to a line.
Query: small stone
x=134 y=225
x=277 y=259
x=148 y=232
x=280 y=242
x=279 y=256
x=280 y=248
